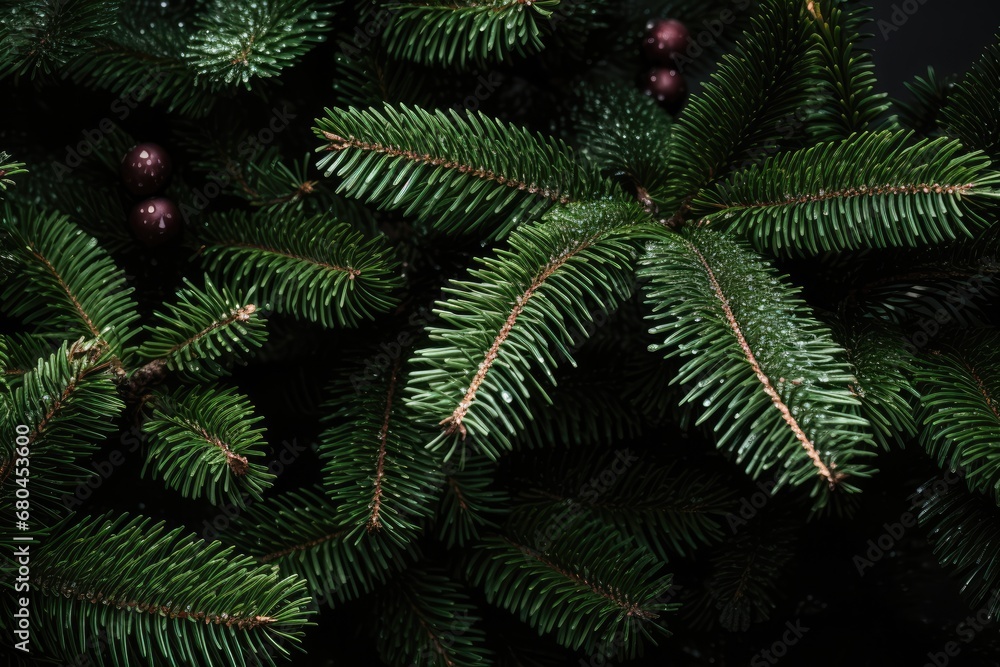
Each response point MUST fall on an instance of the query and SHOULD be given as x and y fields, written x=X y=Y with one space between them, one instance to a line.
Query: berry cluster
x=665 y=40
x=145 y=171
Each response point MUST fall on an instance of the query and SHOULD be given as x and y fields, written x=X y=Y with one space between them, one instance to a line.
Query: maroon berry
x=667 y=86
x=145 y=169
x=665 y=40
x=154 y=221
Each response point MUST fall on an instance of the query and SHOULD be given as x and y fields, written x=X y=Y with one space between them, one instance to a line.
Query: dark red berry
x=145 y=169
x=667 y=86
x=155 y=221
x=665 y=40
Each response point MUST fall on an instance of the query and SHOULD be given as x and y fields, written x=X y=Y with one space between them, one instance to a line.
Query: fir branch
x=591 y=586
x=376 y=468
x=427 y=619
x=315 y=268
x=627 y=135
x=883 y=368
x=459 y=172
x=202 y=443
x=181 y=600
x=142 y=58
x=727 y=310
x=470 y=502
x=301 y=534
x=518 y=316
x=239 y=40
x=42 y=36
x=68 y=403
x=848 y=73
x=872 y=189
x=960 y=408
x=67 y=283
x=204 y=329
x=459 y=32
x=972 y=112
x=739 y=115
x=964 y=528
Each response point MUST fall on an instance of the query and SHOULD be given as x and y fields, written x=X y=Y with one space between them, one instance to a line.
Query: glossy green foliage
x=313 y=267
x=204 y=331
x=178 y=599
x=506 y=329
x=66 y=282
x=872 y=190
x=769 y=376
x=467 y=31
x=590 y=586
x=204 y=442
x=456 y=171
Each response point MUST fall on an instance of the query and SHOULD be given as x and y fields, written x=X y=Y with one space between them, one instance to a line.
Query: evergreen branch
x=627 y=135
x=457 y=172
x=42 y=36
x=301 y=534
x=237 y=41
x=67 y=283
x=724 y=307
x=871 y=189
x=459 y=32
x=8 y=169
x=739 y=114
x=23 y=352
x=427 y=619
x=972 y=111
x=848 y=73
x=666 y=510
x=68 y=403
x=315 y=268
x=590 y=585
x=519 y=316
x=204 y=326
x=930 y=94
x=964 y=528
x=470 y=502
x=202 y=442
x=142 y=58
x=377 y=472
x=181 y=600
x=960 y=409
x=746 y=574
x=883 y=369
